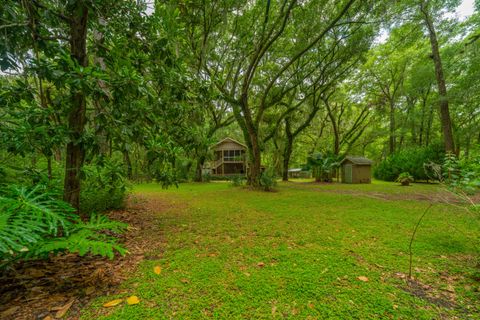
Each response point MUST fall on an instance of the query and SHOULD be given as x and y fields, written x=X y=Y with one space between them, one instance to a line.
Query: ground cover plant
x=305 y=251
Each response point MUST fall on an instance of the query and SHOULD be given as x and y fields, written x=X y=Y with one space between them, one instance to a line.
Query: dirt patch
x=39 y=289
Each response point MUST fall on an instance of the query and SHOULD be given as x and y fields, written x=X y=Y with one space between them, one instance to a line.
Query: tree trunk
x=442 y=88
x=392 y=139
x=199 y=170
x=77 y=115
x=49 y=168
x=286 y=157
x=128 y=164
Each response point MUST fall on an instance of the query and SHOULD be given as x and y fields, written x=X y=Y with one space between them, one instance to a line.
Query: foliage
x=404 y=178
x=461 y=175
x=237 y=180
x=104 y=186
x=410 y=160
x=323 y=165
x=34 y=224
x=268 y=179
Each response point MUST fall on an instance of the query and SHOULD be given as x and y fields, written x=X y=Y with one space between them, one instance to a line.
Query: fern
x=34 y=223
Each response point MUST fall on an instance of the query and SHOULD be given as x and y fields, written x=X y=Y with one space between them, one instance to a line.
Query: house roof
x=357 y=160
x=228 y=139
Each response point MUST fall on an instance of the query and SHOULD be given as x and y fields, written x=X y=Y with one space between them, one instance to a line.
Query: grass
x=233 y=253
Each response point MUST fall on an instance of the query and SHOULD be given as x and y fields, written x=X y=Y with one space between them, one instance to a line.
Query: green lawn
x=233 y=253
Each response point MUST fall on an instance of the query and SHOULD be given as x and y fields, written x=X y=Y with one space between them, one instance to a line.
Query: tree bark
x=392 y=140
x=287 y=153
x=77 y=115
x=128 y=164
x=442 y=88
x=199 y=173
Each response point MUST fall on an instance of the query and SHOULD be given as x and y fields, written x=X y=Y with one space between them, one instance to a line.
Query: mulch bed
x=47 y=289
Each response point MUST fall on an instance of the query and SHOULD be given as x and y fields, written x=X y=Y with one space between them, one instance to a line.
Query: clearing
x=230 y=252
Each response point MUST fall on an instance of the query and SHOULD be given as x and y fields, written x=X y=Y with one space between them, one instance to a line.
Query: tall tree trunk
x=77 y=115
x=199 y=170
x=442 y=88
x=392 y=140
x=128 y=163
x=287 y=152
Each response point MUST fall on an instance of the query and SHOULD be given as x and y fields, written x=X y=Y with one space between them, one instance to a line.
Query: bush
x=323 y=166
x=104 y=187
x=34 y=223
x=237 y=180
x=404 y=178
x=410 y=160
x=461 y=175
x=268 y=180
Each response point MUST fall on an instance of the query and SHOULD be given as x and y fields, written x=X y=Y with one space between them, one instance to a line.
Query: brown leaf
x=89 y=290
x=133 y=300
x=62 y=311
x=362 y=278
x=157 y=269
x=261 y=264
x=10 y=311
x=184 y=280
x=112 y=303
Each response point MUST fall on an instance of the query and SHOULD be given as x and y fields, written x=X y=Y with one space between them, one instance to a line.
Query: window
x=232 y=155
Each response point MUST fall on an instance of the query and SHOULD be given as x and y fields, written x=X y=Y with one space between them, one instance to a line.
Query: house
x=356 y=170
x=230 y=158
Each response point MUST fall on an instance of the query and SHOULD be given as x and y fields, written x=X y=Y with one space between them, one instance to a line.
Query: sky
x=465 y=9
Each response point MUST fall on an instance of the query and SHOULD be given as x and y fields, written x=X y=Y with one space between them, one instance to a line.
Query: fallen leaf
x=89 y=290
x=133 y=300
x=10 y=311
x=112 y=303
x=62 y=311
x=157 y=269
x=363 y=278
x=184 y=280
x=261 y=264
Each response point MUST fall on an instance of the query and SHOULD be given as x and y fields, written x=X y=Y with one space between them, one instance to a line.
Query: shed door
x=348 y=173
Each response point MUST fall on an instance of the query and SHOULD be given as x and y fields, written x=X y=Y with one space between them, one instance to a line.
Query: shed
x=356 y=170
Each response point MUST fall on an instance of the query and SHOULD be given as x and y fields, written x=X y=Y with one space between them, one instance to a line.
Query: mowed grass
x=233 y=253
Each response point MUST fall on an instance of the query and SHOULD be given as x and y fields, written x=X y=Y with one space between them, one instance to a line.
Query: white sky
x=465 y=9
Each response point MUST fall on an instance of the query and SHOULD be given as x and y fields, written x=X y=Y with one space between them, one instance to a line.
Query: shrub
x=237 y=180
x=103 y=187
x=404 y=178
x=410 y=160
x=268 y=179
x=461 y=175
x=323 y=165
x=34 y=223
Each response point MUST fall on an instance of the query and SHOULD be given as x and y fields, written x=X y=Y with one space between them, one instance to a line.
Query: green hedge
x=409 y=160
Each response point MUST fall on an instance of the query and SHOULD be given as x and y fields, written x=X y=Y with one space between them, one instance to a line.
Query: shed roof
x=357 y=160
x=228 y=139
x=295 y=170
